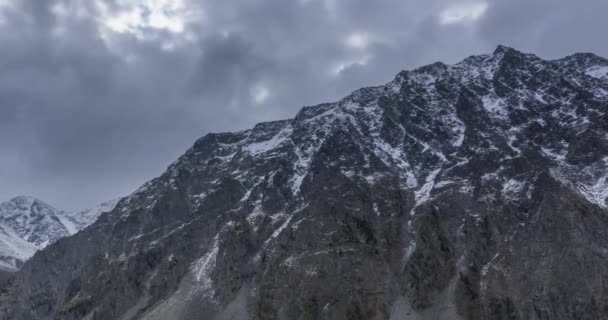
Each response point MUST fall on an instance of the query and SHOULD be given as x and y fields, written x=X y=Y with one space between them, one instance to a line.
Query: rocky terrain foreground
x=468 y=191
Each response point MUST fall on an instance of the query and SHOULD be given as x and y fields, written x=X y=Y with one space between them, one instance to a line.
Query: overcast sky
x=99 y=96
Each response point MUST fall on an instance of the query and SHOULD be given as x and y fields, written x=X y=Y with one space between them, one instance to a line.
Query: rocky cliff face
x=470 y=191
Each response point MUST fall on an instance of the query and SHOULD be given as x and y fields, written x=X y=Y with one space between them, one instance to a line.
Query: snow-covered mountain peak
x=427 y=125
x=25 y=203
x=33 y=220
x=433 y=190
x=28 y=224
x=587 y=63
x=502 y=50
x=85 y=217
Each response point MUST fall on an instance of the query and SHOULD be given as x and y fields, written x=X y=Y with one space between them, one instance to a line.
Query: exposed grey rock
x=471 y=191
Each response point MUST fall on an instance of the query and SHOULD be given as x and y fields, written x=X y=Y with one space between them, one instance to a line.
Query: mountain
x=80 y=219
x=28 y=224
x=468 y=191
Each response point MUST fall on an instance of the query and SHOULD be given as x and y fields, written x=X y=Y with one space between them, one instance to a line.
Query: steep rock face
x=471 y=191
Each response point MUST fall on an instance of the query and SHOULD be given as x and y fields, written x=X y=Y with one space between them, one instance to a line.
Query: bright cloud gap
x=463 y=13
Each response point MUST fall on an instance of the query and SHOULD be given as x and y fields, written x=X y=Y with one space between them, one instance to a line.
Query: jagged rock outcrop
x=468 y=191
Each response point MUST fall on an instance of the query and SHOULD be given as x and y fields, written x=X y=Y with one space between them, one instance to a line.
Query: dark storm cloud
x=88 y=112
x=549 y=28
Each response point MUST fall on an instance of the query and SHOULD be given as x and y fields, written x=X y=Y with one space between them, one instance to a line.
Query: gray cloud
x=88 y=113
x=549 y=28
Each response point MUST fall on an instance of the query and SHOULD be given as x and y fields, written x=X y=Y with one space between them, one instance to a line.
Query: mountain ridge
x=446 y=193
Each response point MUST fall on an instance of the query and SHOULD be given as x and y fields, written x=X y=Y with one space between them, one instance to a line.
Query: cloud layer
x=97 y=97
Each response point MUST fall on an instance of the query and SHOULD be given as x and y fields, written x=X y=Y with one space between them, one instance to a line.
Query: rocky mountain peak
x=502 y=50
x=27 y=203
x=589 y=63
x=446 y=193
x=33 y=220
x=28 y=224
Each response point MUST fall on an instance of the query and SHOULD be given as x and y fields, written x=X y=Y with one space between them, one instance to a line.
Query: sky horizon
x=97 y=98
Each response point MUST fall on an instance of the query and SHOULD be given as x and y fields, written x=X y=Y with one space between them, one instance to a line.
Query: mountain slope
x=28 y=225
x=469 y=191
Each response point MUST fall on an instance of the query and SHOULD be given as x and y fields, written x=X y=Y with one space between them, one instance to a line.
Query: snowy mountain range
x=467 y=191
x=28 y=225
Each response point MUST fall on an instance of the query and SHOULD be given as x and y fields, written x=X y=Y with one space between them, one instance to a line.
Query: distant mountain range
x=28 y=224
x=469 y=191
